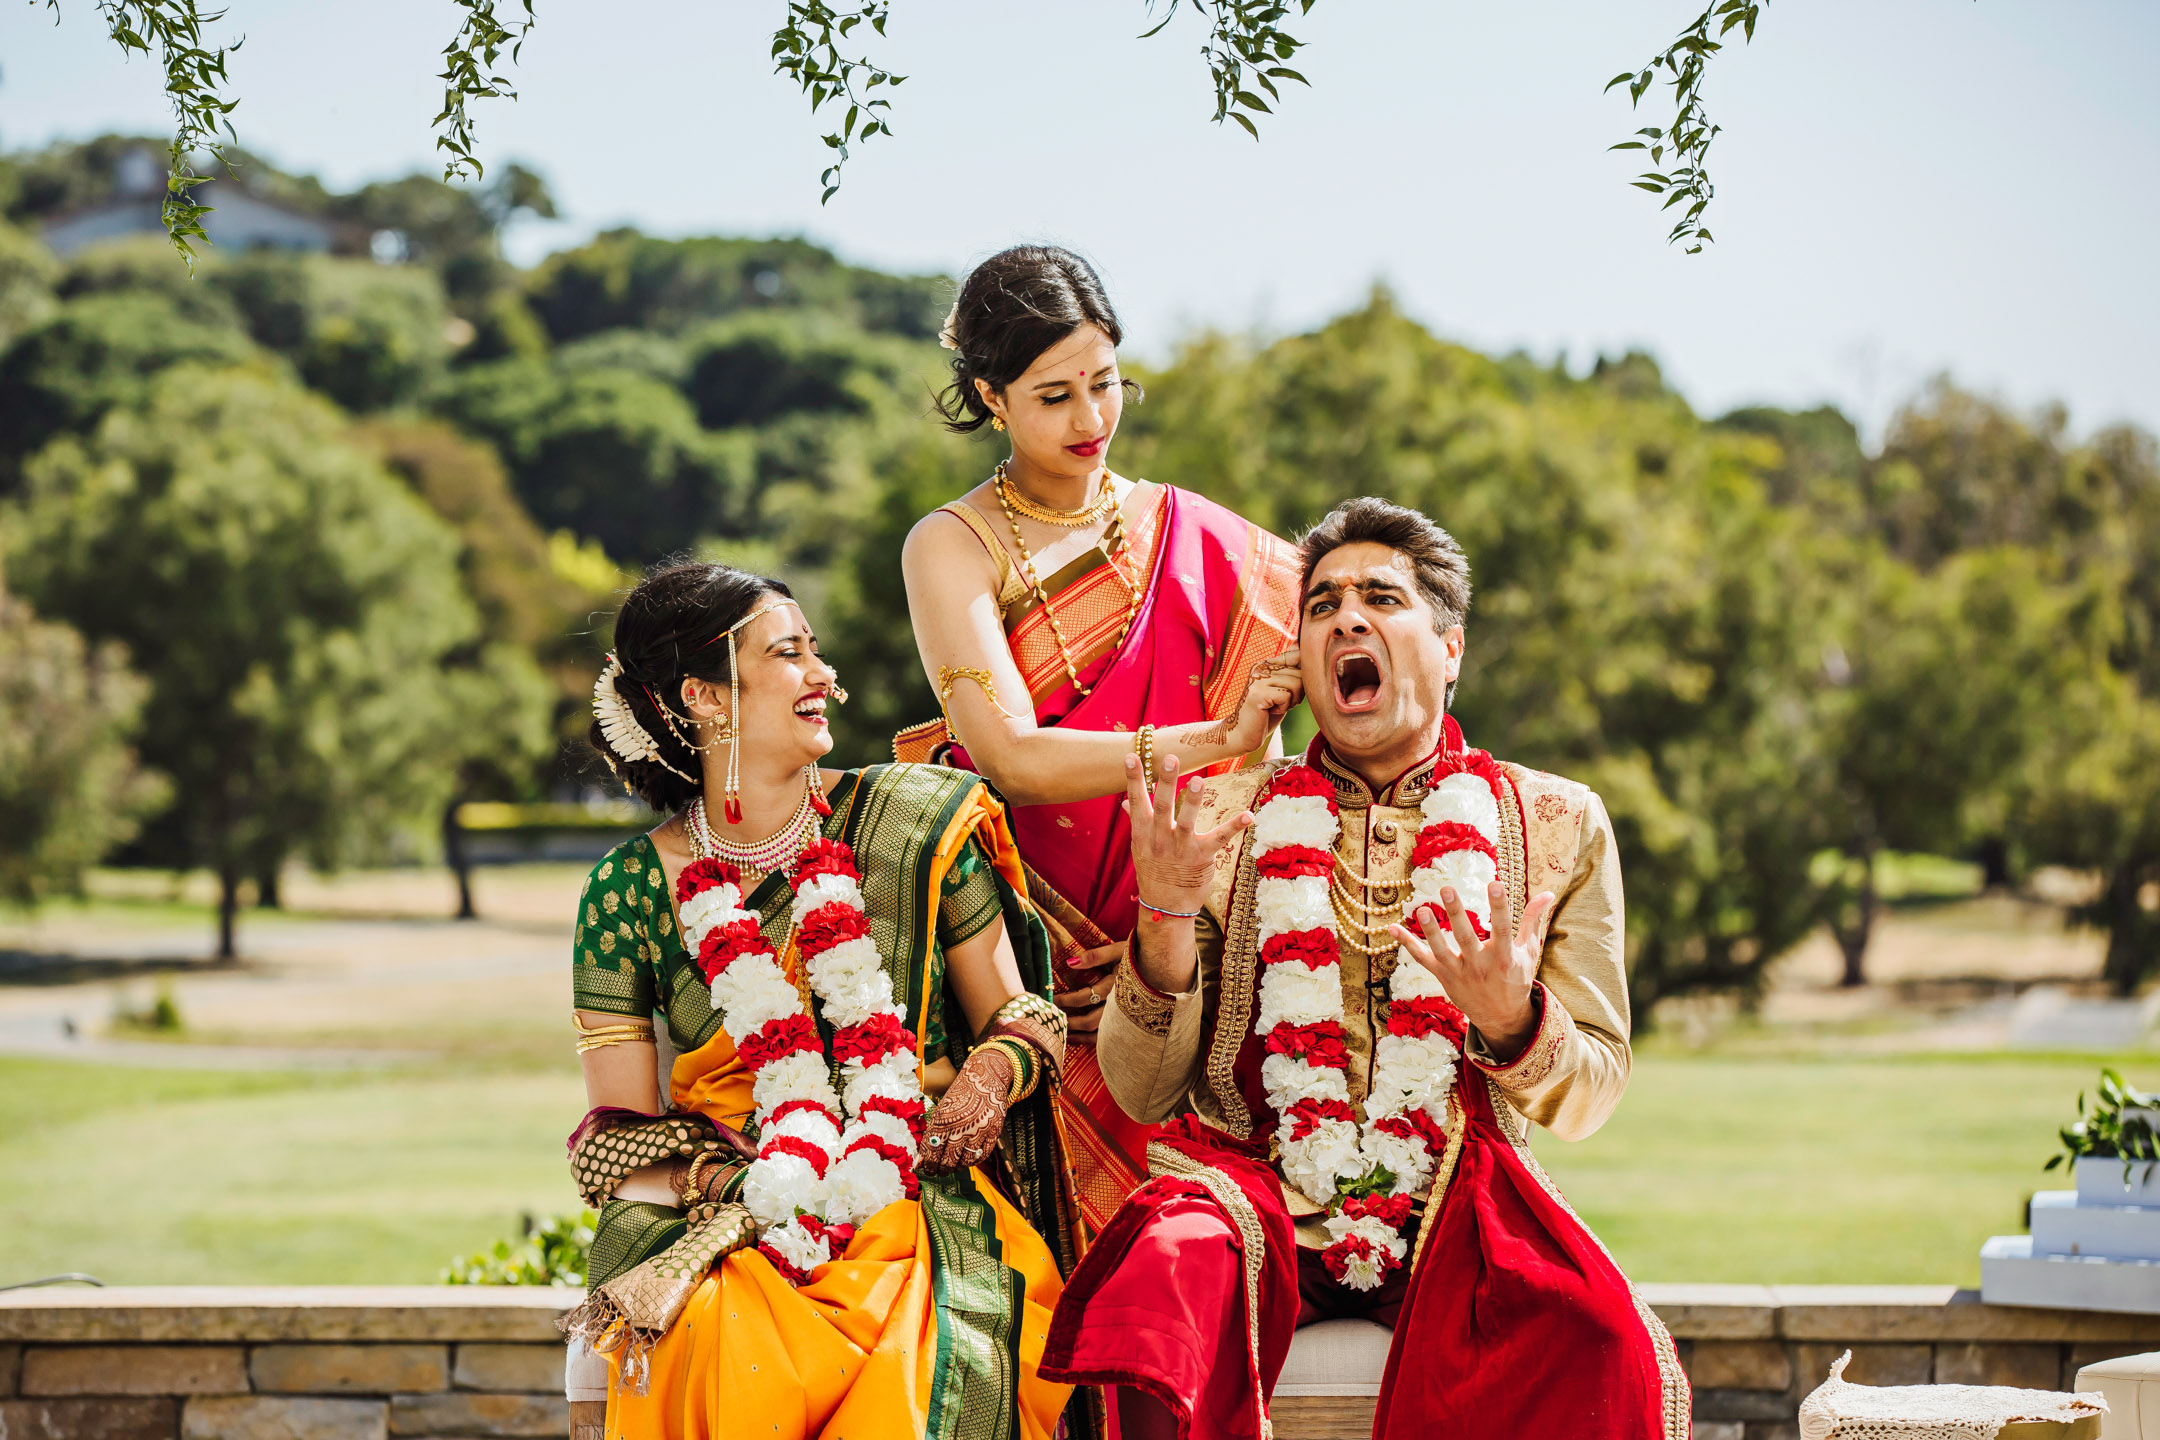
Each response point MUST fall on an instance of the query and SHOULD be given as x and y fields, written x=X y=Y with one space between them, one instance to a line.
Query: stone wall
x=364 y=1363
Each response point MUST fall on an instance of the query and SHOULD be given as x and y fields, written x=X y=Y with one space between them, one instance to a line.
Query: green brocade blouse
x=629 y=956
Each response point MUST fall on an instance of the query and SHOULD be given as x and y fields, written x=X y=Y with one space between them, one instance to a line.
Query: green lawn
x=1772 y=1169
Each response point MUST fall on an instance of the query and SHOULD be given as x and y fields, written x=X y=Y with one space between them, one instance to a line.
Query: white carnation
x=1289 y=1079
x=800 y=1076
x=850 y=978
x=1412 y=981
x=752 y=993
x=1412 y=1072
x=1294 y=820
x=1406 y=1158
x=1312 y=1165
x=777 y=1186
x=893 y=1075
x=859 y=1185
x=1290 y=994
x=716 y=905
x=796 y=1245
x=1468 y=871
x=1465 y=799
x=823 y=889
x=1295 y=904
x=815 y=1126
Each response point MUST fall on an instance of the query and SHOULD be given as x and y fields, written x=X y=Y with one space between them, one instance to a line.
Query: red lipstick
x=1089 y=450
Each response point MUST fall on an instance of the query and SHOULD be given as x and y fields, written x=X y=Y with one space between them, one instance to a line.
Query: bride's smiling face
x=1062 y=413
x=786 y=689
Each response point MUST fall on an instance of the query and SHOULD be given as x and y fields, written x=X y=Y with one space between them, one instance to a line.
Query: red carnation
x=873 y=1039
x=836 y=1237
x=1337 y=1257
x=1288 y=862
x=725 y=944
x=1389 y=1210
x=1443 y=836
x=1322 y=1044
x=1297 y=780
x=826 y=857
x=794 y=1145
x=1310 y=948
x=910 y=1111
x=787 y=1271
x=1414 y=1125
x=1428 y=1015
x=777 y=1039
x=1305 y=1115
x=703 y=875
x=1440 y=919
x=787 y=1108
x=886 y=1150
x=830 y=925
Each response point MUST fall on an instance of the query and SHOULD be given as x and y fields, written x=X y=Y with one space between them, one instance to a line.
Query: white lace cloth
x=1841 y=1410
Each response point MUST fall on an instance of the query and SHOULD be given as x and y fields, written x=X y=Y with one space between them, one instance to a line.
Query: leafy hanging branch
x=807 y=49
x=469 y=73
x=1689 y=135
x=1244 y=35
x=194 y=74
x=1246 y=51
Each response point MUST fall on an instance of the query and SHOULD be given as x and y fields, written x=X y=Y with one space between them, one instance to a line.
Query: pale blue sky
x=1906 y=186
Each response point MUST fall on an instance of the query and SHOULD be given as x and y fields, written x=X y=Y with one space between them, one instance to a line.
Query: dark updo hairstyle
x=673 y=626
x=1012 y=308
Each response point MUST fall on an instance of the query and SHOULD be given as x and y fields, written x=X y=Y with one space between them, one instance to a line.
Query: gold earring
x=997 y=422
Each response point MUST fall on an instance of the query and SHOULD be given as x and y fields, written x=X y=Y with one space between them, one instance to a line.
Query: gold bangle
x=1027 y=1004
x=1144 y=747
x=693 y=1194
x=1023 y=1067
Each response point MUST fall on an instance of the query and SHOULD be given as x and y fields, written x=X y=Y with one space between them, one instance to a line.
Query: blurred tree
x=608 y=453
x=1960 y=472
x=27 y=273
x=71 y=788
x=96 y=352
x=625 y=280
x=291 y=604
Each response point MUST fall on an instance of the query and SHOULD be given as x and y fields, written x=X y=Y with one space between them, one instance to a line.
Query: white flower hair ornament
x=618 y=726
x=947 y=334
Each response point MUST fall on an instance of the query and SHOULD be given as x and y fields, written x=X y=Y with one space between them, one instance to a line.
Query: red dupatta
x=1221 y=594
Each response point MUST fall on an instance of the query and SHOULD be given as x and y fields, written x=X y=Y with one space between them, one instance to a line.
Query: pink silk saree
x=1218 y=594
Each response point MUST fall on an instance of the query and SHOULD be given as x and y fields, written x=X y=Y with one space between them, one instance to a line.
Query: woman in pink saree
x=1076 y=623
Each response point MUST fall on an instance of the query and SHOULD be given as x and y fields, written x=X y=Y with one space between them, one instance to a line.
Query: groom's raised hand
x=1490 y=980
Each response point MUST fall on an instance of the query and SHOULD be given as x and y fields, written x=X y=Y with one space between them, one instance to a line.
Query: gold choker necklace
x=1088 y=514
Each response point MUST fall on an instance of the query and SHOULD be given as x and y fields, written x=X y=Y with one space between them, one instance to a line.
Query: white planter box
x=2061 y=1225
x=2010 y=1274
x=2100 y=1181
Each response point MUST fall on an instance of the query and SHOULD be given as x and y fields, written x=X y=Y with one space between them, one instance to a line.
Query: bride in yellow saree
x=853 y=1217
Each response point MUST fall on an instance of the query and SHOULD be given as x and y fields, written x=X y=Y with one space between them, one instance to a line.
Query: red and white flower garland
x=1365 y=1176
x=826 y=1162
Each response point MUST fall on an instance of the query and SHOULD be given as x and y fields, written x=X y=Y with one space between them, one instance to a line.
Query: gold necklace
x=789 y=841
x=1010 y=494
x=1116 y=537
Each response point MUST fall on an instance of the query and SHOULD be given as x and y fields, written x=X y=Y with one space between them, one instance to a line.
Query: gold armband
x=599 y=1037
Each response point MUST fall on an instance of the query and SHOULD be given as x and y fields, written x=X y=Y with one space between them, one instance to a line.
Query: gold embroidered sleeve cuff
x=1548 y=1042
x=1145 y=1006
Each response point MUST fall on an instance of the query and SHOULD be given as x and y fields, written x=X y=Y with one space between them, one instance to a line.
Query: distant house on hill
x=237 y=220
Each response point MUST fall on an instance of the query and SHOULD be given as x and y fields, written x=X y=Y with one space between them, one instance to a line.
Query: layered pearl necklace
x=826 y=1161
x=1364 y=1175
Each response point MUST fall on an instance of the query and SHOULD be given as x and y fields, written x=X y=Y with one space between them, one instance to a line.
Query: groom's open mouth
x=1357 y=682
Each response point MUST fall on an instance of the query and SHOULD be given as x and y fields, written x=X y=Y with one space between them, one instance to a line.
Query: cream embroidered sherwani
x=1162 y=1055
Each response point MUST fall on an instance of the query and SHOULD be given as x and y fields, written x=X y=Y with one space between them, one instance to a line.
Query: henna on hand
x=965 y=1126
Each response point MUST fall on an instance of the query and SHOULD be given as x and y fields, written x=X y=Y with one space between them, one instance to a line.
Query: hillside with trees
x=321 y=545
